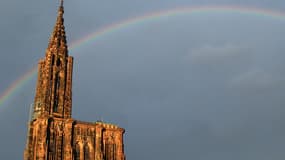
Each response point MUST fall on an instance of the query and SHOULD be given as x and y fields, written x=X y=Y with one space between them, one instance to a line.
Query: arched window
x=110 y=151
x=77 y=152
x=86 y=152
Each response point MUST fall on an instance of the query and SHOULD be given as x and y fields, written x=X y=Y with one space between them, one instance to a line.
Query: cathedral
x=53 y=134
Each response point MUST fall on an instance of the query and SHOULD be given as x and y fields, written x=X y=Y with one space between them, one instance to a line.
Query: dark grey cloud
x=204 y=86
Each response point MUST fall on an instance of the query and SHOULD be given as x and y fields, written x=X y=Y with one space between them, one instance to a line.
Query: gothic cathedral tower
x=53 y=134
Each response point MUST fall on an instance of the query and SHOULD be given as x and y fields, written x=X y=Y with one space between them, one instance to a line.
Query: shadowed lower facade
x=53 y=134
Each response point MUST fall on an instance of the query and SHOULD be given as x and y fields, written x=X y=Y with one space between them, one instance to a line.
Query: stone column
x=67 y=139
x=81 y=151
x=98 y=145
x=40 y=152
x=119 y=144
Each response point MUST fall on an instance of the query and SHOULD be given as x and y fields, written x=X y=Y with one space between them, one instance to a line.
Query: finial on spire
x=61 y=3
x=58 y=38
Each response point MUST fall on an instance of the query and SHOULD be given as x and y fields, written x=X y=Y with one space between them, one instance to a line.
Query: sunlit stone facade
x=53 y=134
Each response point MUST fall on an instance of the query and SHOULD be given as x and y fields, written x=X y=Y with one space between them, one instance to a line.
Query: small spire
x=58 y=38
x=61 y=3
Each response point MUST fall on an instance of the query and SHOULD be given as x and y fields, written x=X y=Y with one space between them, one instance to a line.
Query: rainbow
x=17 y=85
x=104 y=31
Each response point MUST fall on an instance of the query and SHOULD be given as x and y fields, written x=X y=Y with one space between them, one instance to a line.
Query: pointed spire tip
x=61 y=3
x=58 y=35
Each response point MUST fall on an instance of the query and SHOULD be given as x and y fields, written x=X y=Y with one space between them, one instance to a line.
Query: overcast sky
x=204 y=86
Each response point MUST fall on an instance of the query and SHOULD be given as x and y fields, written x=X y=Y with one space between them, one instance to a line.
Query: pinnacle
x=58 y=37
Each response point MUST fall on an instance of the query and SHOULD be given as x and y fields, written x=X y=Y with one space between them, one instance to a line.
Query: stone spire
x=54 y=86
x=57 y=42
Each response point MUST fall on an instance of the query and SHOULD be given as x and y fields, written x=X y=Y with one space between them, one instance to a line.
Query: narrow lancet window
x=86 y=152
x=56 y=92
x=58 y=62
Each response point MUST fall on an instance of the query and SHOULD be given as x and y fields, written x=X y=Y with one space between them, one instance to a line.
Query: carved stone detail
x=52 y=133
